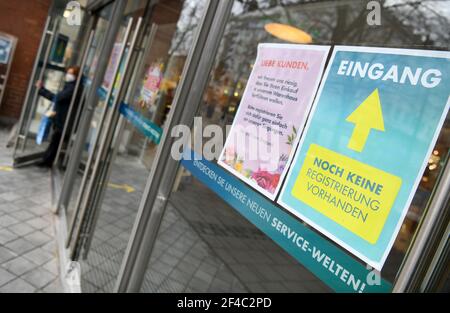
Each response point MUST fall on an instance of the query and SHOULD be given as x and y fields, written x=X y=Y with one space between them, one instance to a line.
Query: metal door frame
x=417 y=265
x=439 y=266
x=48 y=36
x=34 y=101
x=30 y=87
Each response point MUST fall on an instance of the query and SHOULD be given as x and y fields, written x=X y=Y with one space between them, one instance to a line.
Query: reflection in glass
x=230 y=254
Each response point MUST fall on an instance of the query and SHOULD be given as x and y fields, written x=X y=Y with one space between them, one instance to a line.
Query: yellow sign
x=367 y=116
x=355 y=195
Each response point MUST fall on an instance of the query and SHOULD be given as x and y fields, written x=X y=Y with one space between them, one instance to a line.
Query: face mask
x=70 y=78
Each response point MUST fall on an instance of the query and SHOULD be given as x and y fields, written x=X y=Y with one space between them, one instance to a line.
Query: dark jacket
x=61 y=103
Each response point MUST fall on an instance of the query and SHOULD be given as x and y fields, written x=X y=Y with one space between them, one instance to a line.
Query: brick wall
x=24 y=19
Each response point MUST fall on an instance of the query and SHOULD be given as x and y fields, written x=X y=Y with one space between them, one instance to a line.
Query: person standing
x=61 y=106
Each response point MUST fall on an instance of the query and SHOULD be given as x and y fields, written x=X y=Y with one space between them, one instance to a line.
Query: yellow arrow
x=6 y=168
x=368 y=115
x=125 y=187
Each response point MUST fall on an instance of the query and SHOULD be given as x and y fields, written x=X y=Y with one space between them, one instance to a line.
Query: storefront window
x=204 y=245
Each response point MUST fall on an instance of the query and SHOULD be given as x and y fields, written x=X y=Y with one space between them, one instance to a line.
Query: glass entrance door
x=101 y=128
x=104 y=222
x=95 y=41
x=60 y=47
x=78 y=208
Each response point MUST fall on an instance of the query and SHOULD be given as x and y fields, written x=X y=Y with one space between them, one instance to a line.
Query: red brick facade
x=24 y=19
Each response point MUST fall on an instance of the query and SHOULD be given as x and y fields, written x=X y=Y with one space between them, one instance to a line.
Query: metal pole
x=427 y=227
x=75 y=94
x=185 y=106
x=30 y=85
x=436 y=271
x=91 y=102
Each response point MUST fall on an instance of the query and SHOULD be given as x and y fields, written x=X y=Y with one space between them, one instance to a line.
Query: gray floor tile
x=17 y=286
x=6 y=255
x=52 y=266
x=49 y=231
x=38 y=238
x=38 y=223
x=50 y=247
x=19 y=266
x=10 y=196
x=7 y=236
x=7 y=220
x=5 y=276
x=87 y=287
x=24 y=203
x=98 y=277
x=54 y=287
x=10 y=208
x=39 y=256
x=39 y=277
x=22 y=215
x=40 y=209
x=20 y=246
x=21 y=229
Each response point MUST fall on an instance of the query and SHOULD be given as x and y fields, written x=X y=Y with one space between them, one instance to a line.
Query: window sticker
x=272 y=113
x=369 y=137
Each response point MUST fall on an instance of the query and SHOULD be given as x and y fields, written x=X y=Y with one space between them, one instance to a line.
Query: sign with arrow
x=371 y=131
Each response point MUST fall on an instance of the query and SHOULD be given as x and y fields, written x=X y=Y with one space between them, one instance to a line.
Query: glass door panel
x=59 y=49
x=97 y=126
x=88 y=71
x=203 y=244
x=156 y=76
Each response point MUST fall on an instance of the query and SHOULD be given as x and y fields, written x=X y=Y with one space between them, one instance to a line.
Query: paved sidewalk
x=28 y=258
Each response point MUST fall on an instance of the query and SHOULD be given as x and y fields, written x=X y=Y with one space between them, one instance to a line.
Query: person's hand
x=50 y=114
x=39 y=84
